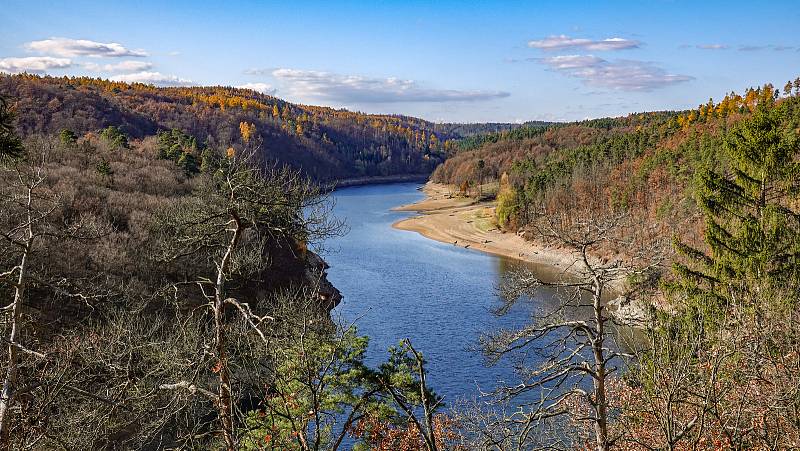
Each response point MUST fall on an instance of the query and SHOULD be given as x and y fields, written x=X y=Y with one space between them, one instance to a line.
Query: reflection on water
x=398 y=284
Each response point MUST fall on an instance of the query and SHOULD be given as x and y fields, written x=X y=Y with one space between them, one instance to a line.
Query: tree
x=68 y=137
x=10 y=144
x=480 y=165
x=572 y=338
x=31 y=220
x=246 y=130
x=752 y=220
x=320 y=390
x=317 y=383
x=115 y=137
x=241 y=212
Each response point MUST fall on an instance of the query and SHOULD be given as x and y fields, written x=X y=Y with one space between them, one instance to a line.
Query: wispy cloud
x=712 y=46
x=259 y=72
x=569 y=62
x=742 y=48
x=124 y=66
x=355 y=89
x=66 y=47
x=564 y=42
x=625 y=75
x=259 y=87
x=33 y=64
x=153 y=78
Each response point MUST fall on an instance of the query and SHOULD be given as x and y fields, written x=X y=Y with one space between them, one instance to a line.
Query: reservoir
x=398 y=284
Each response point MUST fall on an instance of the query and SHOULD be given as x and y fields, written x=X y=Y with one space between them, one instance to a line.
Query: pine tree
x=10 y=144
x=752 y=216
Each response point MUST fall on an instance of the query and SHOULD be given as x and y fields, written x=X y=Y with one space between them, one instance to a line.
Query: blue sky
x=445 y=61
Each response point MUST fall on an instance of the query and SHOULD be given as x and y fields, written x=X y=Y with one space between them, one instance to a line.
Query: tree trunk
x=601 y=409
x=225 y=402
x=13 y=337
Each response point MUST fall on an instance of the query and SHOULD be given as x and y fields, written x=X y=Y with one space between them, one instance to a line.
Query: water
x=398 y=284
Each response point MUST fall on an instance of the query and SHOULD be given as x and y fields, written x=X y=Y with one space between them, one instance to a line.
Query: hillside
x=644 y=163
x=325 y=143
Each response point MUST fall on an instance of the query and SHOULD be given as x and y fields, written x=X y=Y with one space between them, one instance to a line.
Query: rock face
x=628 y=312
x=292 y=266
x=316 y=273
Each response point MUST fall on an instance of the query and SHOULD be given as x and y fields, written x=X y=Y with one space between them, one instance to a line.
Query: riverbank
x=445 y=217
x=464 y=222
x=380 y=179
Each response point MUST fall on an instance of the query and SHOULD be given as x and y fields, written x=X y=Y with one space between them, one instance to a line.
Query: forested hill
x=643 y=163
x=327 y=144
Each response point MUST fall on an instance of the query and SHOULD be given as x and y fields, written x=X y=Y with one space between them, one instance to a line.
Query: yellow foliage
x=246 y=129
x=230 y=153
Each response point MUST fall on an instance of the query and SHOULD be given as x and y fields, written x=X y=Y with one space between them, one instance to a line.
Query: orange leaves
x=246 y=129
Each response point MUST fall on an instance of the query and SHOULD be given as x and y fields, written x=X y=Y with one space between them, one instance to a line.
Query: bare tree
x=30 y=222
x=570 y=341
x=242 y=211
x=733 y=387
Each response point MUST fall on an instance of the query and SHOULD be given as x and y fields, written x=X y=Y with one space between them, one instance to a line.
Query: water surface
x=397 y=284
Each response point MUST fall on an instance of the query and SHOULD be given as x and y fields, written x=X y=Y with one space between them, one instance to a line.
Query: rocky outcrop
x=628 y=312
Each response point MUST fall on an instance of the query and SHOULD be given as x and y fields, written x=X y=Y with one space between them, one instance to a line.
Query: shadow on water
x=398 y=284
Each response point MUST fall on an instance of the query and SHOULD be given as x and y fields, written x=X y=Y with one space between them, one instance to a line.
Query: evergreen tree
x=752 y=216
x=115 y=137
x=68 y=137
x=10 y=144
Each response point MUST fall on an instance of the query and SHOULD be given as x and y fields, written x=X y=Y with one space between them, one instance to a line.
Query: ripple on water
x=399 y=284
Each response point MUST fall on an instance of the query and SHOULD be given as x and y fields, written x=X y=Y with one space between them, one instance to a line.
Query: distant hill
x=644 y=163
x=326 y=143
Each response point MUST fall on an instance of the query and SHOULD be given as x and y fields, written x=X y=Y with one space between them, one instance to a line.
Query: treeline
x=324 y=143
x=645 y=162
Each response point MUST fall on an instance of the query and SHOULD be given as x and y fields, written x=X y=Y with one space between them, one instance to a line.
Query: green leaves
x=751 y=214
x=10 y=144
x=115 y=138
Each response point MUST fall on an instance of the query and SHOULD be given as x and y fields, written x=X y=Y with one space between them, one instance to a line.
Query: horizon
x=482 y=63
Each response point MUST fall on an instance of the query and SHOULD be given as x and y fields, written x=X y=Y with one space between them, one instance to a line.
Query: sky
x=445 y=61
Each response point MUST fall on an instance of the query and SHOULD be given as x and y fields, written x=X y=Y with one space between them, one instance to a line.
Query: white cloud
x=571 y=61
x=33 y=64
x=355 y=89
x=712 y=46
x=625 y=75
x=153 y=78
x=752 y=48
x=82 y=47
x=563 y=42
x=259 y=71
x=776 y=47
x=263 y=88
x=124 y=66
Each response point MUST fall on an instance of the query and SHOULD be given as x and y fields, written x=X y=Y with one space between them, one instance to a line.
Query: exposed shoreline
x=466 y=223
x=463 y=222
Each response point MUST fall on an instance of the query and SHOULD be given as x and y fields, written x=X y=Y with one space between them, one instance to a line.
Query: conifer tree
x=10 y=144
x=751 y=213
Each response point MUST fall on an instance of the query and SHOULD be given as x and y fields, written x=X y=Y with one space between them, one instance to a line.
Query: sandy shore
x=463 y=222
x=460 y=221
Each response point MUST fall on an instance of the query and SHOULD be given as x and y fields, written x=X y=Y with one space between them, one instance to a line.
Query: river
x=398 y=284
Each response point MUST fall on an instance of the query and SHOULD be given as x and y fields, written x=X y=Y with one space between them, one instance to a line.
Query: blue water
x=397 y=284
